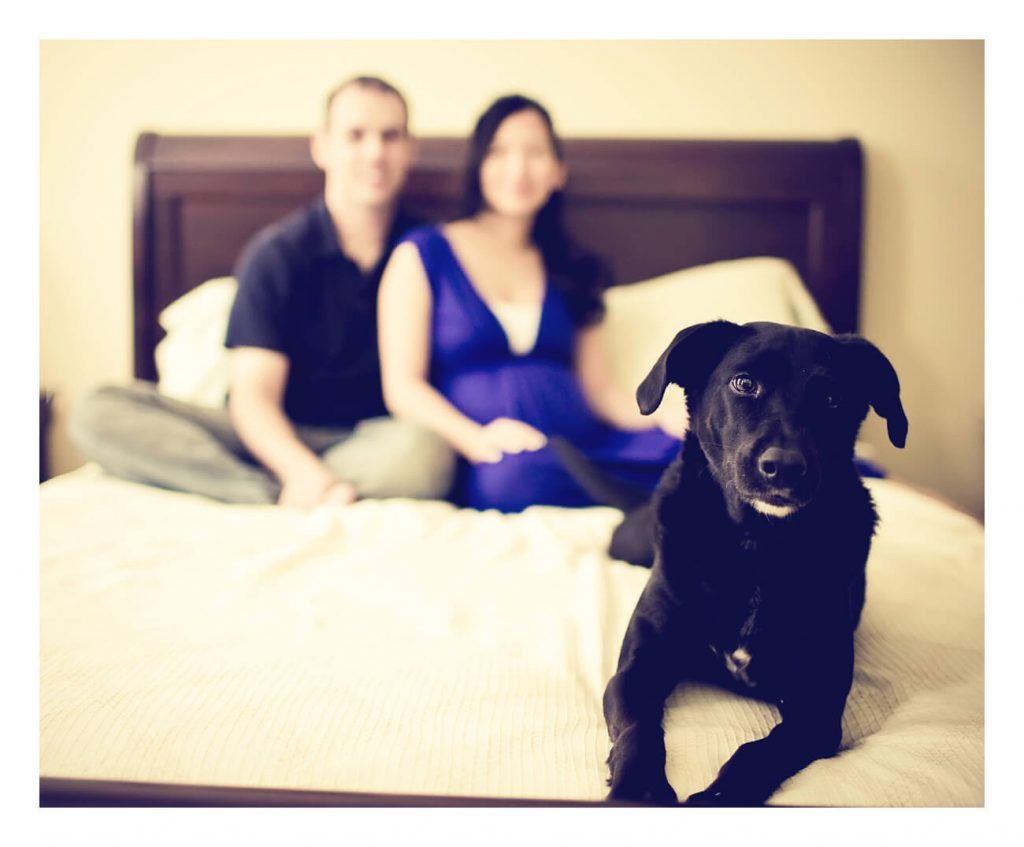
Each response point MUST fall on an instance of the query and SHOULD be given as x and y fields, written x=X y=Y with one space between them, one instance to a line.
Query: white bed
x=410 y=648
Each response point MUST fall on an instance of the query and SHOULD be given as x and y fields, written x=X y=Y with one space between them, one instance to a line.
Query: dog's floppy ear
x=692 y=355
x=877 y=377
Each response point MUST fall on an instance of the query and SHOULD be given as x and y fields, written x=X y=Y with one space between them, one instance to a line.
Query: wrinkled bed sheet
x=411 y=647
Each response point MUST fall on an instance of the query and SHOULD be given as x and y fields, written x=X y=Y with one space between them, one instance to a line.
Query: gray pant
x=136 y=433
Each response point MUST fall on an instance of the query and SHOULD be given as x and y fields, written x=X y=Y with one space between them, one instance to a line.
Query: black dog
x=761 y=530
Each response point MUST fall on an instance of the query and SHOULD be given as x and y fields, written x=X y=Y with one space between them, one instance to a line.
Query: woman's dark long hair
x=579 y=275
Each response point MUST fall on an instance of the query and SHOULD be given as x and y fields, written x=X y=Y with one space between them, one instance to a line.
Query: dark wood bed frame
x=648 y=206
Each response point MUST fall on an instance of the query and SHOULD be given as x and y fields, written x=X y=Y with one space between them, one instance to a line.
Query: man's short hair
x=374 y=83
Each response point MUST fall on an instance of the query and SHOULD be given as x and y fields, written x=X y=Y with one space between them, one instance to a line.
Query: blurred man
x=305 y=421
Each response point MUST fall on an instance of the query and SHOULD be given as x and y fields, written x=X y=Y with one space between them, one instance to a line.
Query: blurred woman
x=490 y=331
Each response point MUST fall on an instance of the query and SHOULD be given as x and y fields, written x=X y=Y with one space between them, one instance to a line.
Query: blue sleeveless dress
x=472 y=365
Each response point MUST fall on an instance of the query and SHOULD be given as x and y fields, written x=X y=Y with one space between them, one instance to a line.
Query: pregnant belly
x=542 y=394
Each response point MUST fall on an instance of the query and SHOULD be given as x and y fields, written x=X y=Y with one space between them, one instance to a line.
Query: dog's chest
x=740 y=612
x=735 y=646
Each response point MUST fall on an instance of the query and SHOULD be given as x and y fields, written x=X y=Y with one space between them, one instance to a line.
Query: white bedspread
x=406 y=647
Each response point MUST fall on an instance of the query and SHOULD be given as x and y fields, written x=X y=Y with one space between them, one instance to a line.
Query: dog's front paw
x=709 y=798
x=745 y=780
x=722 y=794
x=654 y=790
x=637 y=765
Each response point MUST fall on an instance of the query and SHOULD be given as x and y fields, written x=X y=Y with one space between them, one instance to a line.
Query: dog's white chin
x=771 y=510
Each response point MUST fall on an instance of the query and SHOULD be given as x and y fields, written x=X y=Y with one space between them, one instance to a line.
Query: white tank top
x=521 y=322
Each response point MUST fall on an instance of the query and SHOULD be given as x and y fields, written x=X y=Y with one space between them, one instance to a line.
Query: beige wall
x=916 y=106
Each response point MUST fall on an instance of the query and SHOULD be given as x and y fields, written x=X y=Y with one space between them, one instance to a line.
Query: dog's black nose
x=781 y=466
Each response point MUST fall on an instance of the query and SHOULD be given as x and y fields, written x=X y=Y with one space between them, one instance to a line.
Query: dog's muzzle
x=782 y=482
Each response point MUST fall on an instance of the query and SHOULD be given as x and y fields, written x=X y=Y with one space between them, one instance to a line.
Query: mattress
x=409 y=647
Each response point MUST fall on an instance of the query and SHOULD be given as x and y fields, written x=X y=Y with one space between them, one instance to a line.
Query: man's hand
x=313 y=487
x=256 y=404
x=503 y=435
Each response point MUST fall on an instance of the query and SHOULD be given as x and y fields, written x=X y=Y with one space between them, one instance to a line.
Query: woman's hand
x=501 y=436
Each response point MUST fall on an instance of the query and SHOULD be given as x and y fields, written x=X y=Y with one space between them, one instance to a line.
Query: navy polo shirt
x=299 y=294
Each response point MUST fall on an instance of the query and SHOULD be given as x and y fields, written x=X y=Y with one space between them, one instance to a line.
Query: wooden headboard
x=648 y=206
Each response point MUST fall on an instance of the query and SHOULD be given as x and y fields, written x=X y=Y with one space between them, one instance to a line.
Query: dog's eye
x=745 y=384
x=833 y=401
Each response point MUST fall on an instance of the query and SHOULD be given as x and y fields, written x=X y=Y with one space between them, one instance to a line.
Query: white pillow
x=644 y=317
x=191 y=360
